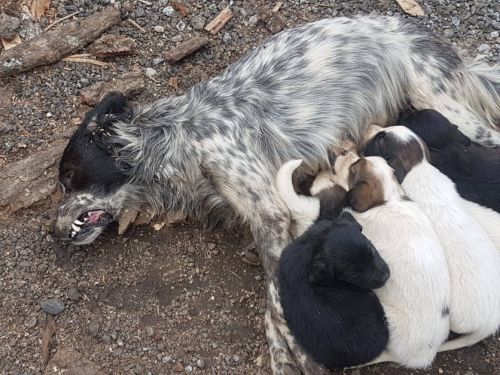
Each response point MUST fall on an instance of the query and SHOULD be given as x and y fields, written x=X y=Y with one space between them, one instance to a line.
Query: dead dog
x=214 y=151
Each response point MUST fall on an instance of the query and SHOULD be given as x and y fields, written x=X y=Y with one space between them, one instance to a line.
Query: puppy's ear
x=361 y=198
x=347 y=218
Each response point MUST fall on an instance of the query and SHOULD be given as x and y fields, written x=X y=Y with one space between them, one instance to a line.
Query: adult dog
x=214 y=151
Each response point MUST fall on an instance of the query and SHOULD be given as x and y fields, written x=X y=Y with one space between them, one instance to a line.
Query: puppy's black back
x=473 y=168
x=336 y=323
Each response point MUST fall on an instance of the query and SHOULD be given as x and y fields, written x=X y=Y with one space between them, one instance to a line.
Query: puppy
x=325 y=279
x=416 y=296
x=473 y=261
x=488 y=219
x=475 y=169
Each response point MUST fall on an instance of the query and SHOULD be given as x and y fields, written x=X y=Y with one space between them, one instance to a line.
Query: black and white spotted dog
x=214 y=151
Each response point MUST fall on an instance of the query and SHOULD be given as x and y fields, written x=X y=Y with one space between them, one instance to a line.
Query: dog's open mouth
x=91 y=219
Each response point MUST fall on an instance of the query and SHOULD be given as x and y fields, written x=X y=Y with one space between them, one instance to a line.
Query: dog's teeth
x=76 y=228
x=77 y=222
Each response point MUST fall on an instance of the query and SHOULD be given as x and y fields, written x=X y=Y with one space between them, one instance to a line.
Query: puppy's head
x=347 y=255
x=398 y=145
x=434 y=129
x=372 y=183
x=90 y=178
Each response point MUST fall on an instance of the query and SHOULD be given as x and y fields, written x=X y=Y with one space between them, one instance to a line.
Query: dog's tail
x=461 y=342
x=304 y=210
x=481 y=87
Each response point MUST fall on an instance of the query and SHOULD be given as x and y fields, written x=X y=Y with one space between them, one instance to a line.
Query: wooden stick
x=277 y=6
x=135 y=24
x=218 y=22
x=185 y=48
x=52 y=46
x=85 y=60
x=60 y=20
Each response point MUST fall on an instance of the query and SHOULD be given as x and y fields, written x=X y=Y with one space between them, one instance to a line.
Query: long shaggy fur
x=214 y=151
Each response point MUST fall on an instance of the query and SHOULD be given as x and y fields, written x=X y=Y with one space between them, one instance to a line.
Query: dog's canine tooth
x=77 y=222
x=76 y=228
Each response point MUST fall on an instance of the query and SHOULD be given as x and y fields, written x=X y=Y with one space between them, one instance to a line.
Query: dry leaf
x=411 y=7
x=38 y=8
x=179 y=7
x=8 y=44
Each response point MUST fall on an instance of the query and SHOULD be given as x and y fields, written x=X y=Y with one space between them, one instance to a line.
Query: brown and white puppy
x=418 y=290
x=473 y=261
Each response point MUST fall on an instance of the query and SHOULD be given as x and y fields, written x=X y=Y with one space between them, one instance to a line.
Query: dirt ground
x=178 y=300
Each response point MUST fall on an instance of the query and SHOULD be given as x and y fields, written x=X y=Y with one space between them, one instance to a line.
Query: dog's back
x=419 y=287
x=475 y=169
x=336 y=323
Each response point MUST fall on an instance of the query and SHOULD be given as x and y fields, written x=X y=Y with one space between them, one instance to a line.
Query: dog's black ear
x=347 y=218
x=113 y=106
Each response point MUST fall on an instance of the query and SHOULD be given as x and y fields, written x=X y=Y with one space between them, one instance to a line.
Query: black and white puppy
x=472 y=259
x=326 y=277
x=474 y=168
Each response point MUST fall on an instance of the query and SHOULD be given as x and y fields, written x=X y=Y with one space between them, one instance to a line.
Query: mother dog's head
x=93 y=184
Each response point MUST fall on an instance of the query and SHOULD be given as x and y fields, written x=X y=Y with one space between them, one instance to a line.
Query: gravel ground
x=179 y=300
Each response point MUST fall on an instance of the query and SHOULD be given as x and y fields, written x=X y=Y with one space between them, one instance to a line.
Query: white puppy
x=473 y=261
x=416 y=296
x=488 y=219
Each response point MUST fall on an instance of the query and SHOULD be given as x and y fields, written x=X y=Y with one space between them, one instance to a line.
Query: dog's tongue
x=94 y=216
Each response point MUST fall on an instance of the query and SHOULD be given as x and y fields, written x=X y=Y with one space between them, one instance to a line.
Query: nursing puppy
x=416 y=296
x=473 y=261
x=325 y=279
x=474 y=168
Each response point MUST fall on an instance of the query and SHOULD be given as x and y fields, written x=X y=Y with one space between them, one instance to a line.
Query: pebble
x=200 y=363
x=455 y=21
x=150 y=72
x=139 y=12
x=159 y=29
x=72 y=294
x=226 y=38
x=166 y=359
x=93 y=327
x=177 y=38
x=189 y=368
x=31 y=323
x=158 y=60
x=168 y=11
x=253 y=20
x=197 y=22
x=448 y=33
x=52 y=306
x=484 y=48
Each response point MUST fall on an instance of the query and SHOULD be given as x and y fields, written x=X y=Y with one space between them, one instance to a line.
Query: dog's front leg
x=253 y=196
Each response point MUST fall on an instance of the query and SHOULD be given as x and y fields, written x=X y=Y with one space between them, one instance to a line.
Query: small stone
x=448 y=33
x=211 y=246
x=200 y=363
x=72 y=294
x=158 y=61
x=150 y=72
x=150 y=331
x=197 y=22
x=494 y=34
x=166 y=359
x=484 y=48
x=168 y=11
x=226 y=38
x=52 y=306
x=455 y=21
x=48 y=115
x=177 y=38
x=93 y=327
x=139 y=12
x=178 y=367
x=31 y=323
x=189 y=368
x=191 y=250
x=181 y=26
x=159 y=29
x=253 y=20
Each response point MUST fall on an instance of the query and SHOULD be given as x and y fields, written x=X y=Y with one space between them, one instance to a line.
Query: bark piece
x=411 y=7
x=185 y=48
x=48 y=332
x=30 y=180
x=38 y=8
x=68 y=361
x=53 y=45
x=8 y=26
x=218 y=22
x=112 y=45
x=127 y=84
x=179 y=7
x=8 y=44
